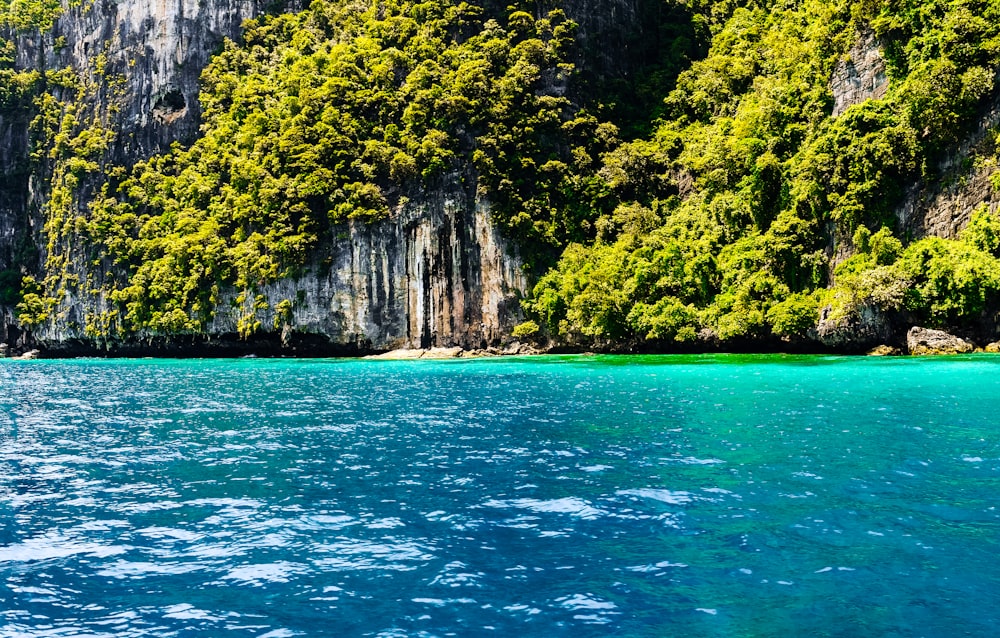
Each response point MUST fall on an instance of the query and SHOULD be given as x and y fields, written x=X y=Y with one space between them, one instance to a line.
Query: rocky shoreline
x=919 y=341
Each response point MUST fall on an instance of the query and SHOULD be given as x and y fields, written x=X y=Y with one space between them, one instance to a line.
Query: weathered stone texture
x=921 y=341
x=866 y=327
x=436 y=274
x=860 y=76
x=943 y=208
x=160 y=47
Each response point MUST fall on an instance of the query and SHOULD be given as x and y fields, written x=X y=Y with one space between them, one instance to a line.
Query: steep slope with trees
x=380 y=174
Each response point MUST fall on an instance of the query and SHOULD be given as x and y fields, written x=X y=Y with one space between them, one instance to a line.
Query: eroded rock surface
x=866 y=327
x=922 y=341
x=860 y=76
x=436 y=273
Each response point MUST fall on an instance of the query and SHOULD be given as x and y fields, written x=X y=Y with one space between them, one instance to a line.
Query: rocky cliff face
x=860 y=76
x=943 y=208
x=158 y=48
x=436 y=273
x=142 y=61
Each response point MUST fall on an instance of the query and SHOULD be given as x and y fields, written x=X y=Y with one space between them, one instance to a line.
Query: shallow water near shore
x=537 y=496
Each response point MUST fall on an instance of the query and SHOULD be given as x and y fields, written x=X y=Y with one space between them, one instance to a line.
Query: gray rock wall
x=860 y=76
x=943 y=208
x=160 y=47
x=436 y=274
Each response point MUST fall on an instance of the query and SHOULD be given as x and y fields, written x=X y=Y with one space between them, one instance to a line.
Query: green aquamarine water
x=551 y=496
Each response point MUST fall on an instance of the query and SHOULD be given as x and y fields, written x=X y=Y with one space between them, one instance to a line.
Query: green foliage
x=10 y=287
x=943 y=283
x=755 y=181
x=526 y=330
x=282 y=312
x=719 y=215
x=667 y=319
x=954 y=283
x=794 y=316
x=856 y=169
x=318 y=118
x=27 y=15
x=983 y=231
x=33 y=309
x=17 y=88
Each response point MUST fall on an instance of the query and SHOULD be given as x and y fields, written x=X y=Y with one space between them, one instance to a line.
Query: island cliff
x=436 y=272
x=236 y=177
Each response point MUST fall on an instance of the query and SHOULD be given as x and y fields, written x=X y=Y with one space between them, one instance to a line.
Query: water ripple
x=553 y=497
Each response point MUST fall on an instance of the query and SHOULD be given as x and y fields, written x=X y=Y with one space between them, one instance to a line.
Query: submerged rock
x=927 y=341
x=883 y=351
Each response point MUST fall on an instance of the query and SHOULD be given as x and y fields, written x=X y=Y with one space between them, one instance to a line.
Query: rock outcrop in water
x=922 y=341
x=864 y=328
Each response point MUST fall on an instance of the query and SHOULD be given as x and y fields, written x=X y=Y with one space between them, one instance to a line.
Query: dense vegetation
x=318 y=117
x=729 y=210
x=710 y=205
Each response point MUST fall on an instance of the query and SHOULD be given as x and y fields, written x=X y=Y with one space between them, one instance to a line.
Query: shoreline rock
x=418 y=353
x=454 y=352
x=884 y=351
x=926 y=341
x=920 y=341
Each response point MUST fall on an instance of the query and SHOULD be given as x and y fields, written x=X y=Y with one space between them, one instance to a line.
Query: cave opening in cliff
x=171 y=102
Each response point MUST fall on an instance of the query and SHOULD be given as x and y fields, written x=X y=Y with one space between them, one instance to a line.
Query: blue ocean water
x=551 y=496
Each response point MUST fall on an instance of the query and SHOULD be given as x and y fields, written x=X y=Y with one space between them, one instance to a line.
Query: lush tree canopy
x=726 y=216
x=713 y=206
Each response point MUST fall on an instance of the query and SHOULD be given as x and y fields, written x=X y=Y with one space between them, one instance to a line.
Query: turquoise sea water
x=557 y=496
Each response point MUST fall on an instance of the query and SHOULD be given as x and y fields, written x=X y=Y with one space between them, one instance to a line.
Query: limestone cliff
x=434 y=273
x=942 y=208
x=142 y=60
x=634 y=164
x=860 y=75
x=158 y=50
